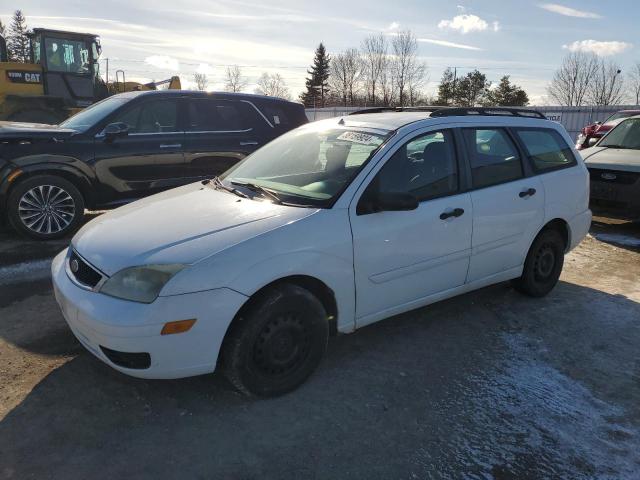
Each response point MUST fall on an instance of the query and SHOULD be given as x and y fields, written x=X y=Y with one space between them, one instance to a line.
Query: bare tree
x=571 y=81
x=234 y=81
x=415 y=83
x=407 y=72
x=272 y=85
x=634 y=83
x=345 y=75
x=201 y=81
x=375 y=61
x=606 y=84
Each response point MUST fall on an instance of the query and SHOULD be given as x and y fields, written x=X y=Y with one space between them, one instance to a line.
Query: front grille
x=621 y=177
x=138 y=361
x=83 y=272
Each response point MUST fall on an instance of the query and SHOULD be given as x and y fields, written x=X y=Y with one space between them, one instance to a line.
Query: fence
x=572 y=118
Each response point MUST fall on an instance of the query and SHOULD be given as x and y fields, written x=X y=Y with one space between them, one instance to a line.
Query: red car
x=590 y=134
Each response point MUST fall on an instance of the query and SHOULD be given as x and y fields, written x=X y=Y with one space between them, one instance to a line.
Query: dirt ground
x=489 y=385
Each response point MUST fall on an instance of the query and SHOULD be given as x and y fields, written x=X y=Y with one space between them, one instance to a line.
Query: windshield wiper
x=218 y=184
x=257 y=188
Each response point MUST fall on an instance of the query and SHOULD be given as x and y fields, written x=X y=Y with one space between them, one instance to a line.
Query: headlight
x=140 y=284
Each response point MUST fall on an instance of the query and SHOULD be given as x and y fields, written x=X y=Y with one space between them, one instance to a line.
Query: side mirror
x=592 y=142
x=115 y=130
x=386 y=202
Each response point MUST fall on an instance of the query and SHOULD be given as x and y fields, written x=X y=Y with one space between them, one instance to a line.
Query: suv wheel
x=277 y=342
x=543 y=265
x=45 y=207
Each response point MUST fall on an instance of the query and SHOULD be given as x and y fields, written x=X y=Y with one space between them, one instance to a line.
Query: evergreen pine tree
x=3 y=30
x=507 y=94
x=18 y=40
x=318 y=81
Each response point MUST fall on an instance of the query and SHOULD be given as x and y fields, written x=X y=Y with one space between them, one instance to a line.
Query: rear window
x=546 y=149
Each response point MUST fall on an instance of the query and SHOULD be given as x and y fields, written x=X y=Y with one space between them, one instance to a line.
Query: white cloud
x=163 y=62
x=444 y=43
x=495 y=26
x=568 y=11
x=466 y=23
x=602 y=49
x=205 y=68
x=393 y=26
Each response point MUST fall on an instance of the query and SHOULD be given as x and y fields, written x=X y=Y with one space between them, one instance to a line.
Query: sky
x=526 y=39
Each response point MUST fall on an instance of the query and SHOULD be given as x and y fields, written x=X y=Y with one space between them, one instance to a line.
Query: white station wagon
x=330 y=227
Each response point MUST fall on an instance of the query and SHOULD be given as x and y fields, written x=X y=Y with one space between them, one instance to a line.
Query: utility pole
x=455 y=78
x=107 y=71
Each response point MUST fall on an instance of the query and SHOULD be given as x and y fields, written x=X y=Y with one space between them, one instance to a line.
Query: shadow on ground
x=490 y=384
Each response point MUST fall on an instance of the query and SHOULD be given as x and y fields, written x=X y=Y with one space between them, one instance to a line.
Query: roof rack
x=459 y=111
x=488 y=111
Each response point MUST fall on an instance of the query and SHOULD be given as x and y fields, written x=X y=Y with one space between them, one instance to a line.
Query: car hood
x=183 y=225
x=32 y=130
x=612 y=158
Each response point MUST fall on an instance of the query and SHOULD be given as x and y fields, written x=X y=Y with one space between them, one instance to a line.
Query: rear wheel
x=543 y=265
x=45 y=207
x=277 y=342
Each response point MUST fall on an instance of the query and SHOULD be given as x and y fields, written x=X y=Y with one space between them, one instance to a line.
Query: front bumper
x=101 y=322
x=615 y=193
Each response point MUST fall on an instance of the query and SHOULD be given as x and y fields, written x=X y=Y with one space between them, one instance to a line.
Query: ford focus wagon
x=330 y=227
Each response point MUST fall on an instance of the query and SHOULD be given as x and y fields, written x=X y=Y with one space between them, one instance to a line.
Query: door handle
x=251 y=142
x=456 y=212
x=527 y=193
x=171 y=145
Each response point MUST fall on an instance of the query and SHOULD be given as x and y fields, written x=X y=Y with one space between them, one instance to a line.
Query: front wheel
x=45 y=207
x=277 y=342
x=543 y=265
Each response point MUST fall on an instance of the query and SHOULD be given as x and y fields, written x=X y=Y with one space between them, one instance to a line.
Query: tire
x=277 y=342
x=45 y=207
x=543 y=265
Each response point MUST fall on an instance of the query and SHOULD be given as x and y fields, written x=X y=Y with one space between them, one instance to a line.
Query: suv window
x=546 y=149
x=425 y=167
x=493 y=157
x=156 y=116
x=207 y=115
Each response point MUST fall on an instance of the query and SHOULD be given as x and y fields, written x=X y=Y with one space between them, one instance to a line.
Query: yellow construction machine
x=62 y=78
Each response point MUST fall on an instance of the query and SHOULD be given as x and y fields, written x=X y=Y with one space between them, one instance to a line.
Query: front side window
x=493 y=157
x=546 y=149
x=158 y=116
x=425 y=167
x=91 y=115
x=625 y=135
x=70 y=56
x=308 y=166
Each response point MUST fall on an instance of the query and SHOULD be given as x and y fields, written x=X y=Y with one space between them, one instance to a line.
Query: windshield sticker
x=359 y=137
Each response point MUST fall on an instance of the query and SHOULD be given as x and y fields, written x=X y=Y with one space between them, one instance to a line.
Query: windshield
x=625 y=135
x=308 y=166
x=88 y=117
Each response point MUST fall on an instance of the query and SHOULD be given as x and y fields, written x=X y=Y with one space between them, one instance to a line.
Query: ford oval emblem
x=608 y=176
x=74 y=265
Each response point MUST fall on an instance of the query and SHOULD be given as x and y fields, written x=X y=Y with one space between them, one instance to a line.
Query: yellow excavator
x=62 y=78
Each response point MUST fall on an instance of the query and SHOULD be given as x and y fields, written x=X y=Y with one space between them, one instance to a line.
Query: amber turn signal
x=180 y=326
x=12 y=176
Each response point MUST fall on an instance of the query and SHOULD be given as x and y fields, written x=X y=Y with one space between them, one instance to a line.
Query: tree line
x=587 y=79
x=17 y=37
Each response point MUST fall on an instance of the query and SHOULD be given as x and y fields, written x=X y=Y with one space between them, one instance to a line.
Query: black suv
x=126 y=147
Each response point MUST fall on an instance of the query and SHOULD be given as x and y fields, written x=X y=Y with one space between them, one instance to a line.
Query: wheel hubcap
x=545 y=262
x=282 y=345
x=46 y=209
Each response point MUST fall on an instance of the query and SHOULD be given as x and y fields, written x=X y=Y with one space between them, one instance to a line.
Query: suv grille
x=620 y=177
x=83 y=272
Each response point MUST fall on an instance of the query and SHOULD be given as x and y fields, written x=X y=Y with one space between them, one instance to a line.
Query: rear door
x=220 y=133
x=149 y=159
x=508 y=203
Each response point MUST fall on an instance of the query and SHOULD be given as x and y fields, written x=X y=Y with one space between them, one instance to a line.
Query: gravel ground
x=489 y=385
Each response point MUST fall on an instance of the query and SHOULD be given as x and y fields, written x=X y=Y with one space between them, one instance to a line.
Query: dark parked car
x=126 y=147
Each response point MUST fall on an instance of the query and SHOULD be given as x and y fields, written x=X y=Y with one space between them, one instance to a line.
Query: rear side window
x=493 y=157
x=546 y=149
x=220 y=116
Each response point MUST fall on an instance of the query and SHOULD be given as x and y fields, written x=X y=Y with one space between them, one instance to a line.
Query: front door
x=149 y=159
x=403 y=257
x=508 y=207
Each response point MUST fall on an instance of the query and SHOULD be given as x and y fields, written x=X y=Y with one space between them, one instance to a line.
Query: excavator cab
x=69 y=63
